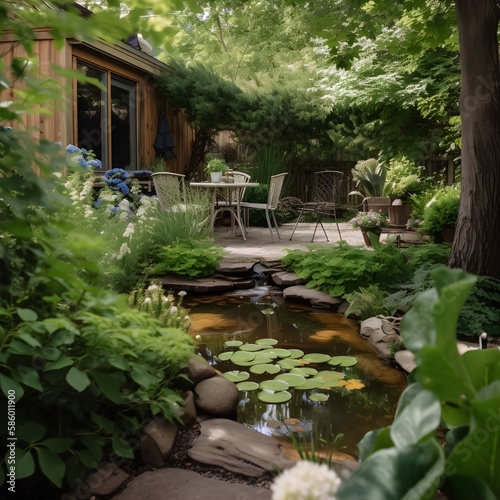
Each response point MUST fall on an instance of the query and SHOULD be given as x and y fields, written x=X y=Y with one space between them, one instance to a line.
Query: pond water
x=362 y=397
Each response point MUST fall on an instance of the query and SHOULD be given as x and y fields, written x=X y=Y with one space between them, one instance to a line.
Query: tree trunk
x=476 y=246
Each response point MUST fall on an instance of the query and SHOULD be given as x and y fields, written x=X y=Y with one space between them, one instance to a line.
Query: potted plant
x=370 y=222
x=370 y=178
x=216 y=167
x=404 y=180
x=440 y=214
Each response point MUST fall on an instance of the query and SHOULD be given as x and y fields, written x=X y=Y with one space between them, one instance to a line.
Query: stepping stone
x=314 y=297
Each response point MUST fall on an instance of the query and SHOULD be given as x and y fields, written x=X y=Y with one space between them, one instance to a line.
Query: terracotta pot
x=366 y=236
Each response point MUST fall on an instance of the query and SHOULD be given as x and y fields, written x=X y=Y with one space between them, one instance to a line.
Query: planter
x=447 y=235
x=216 y=176
x=399 y=214
x=376 y=204
x=366 y=235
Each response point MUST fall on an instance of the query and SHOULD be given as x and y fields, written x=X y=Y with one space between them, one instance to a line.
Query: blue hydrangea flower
x=70 y=148
x=95 y=163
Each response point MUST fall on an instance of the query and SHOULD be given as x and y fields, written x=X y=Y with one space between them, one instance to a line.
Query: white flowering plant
x=370 y=220
x=162 y=306
x=306 y=481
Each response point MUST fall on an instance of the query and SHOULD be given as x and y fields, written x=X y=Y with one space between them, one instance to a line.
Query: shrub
x=370 y=177
x=441 y=212
x=404 y=179
x=368 y=302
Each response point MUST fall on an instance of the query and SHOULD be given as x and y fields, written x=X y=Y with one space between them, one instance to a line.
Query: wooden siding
x=59 y=123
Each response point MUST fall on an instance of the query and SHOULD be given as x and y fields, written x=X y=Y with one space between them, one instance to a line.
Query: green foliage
x=460 y=393
x=404 y=179
x=428 y=254
x=441 y=212
x=368 y=302
x=187 y=260
x=481 y=312
x=345 y=269
x=215 y=165
x=370 y=177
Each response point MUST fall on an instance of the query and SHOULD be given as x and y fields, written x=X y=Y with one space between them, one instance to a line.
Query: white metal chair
x=325 y=199
x=169 y=189
x=273 y=198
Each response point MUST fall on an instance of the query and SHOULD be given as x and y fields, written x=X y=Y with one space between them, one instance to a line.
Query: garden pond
x=299 y=370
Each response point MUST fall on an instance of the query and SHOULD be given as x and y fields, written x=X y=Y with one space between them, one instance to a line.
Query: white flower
x=129 y=231
x=124 y=205
x=173 y=310
x=306 y=481
x=147 y=300
x=124 y=249
x=152 y=287
x=182 y=293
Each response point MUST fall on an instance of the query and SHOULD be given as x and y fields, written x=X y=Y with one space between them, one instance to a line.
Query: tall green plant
x=370 y=178
x=459 y=393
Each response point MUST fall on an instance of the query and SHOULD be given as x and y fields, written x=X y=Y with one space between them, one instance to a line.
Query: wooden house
x=120 y=122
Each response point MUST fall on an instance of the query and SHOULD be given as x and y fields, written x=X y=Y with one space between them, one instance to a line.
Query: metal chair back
x=169 y=189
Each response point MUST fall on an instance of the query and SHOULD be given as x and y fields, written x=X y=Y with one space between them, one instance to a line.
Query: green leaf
x=418 y=419
x=274 y=385
x=236 y=376
x=58 y=445
x=396 y=474
x=319 y=397
x=109 y=385
x=247 y=386
x=122 y=448
x=31 y=431
x=342 y=361
x=77 y=379
x=62 y=362
x=467 y=487
x=52 y=465
x=373 y=441
x=274 y=397
x=26 y=314
x=25 y=464
x=9 y=384
x=28 y=376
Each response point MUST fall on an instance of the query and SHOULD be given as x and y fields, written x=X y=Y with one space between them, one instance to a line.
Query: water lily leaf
x=274 y=385
x=265 y=368
x=274 y=397
x=247 y=386
x=342 y=361
x=319 y=397
x=241 y=357
x=250 y=347
x=296 y=353
x=265 y=342
x=233 y=343
x=316 y=357
x=259 y=359
x=225 y=356
x=330 y=374
x=281 y=353
x=305 y=371
x=328 y=379
x=293 y=379
x=236 y=376
x=309 y=383
x=288 y=364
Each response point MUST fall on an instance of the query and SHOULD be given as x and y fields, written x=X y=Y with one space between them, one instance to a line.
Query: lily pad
x=316 y=357
x=236 y=376
x=247 y=386
x=305 y=371
x=296 y=353
x=319 y=397
x=281 y=353
x=233 y=343
x=342 y=361
x=265 y=368
x=293 y=379
x=225 y=356
x=265 y=342
x=274 y=385
x=250 y=347
x=309 y=383
x=241 y=357
x=288 y=364
x=274 y=397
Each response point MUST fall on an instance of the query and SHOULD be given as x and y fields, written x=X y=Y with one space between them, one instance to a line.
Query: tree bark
x=476 y=246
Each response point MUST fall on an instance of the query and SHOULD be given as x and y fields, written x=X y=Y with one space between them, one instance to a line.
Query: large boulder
x=216 y=396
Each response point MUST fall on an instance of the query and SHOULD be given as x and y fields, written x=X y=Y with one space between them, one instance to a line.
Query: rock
x=180 y=484
x=405 y=359
x=238 y=448
x=157 y=442
x=235 y=268
x=369 y=326
x=314 y=297
x=381 y=333
x=200 y=285
x=188 y=413
x=286 y=279
x=198 y=369
x=107 y=479
x=216 y=396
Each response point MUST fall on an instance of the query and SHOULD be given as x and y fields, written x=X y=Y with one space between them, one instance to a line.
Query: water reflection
x=347 y=413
